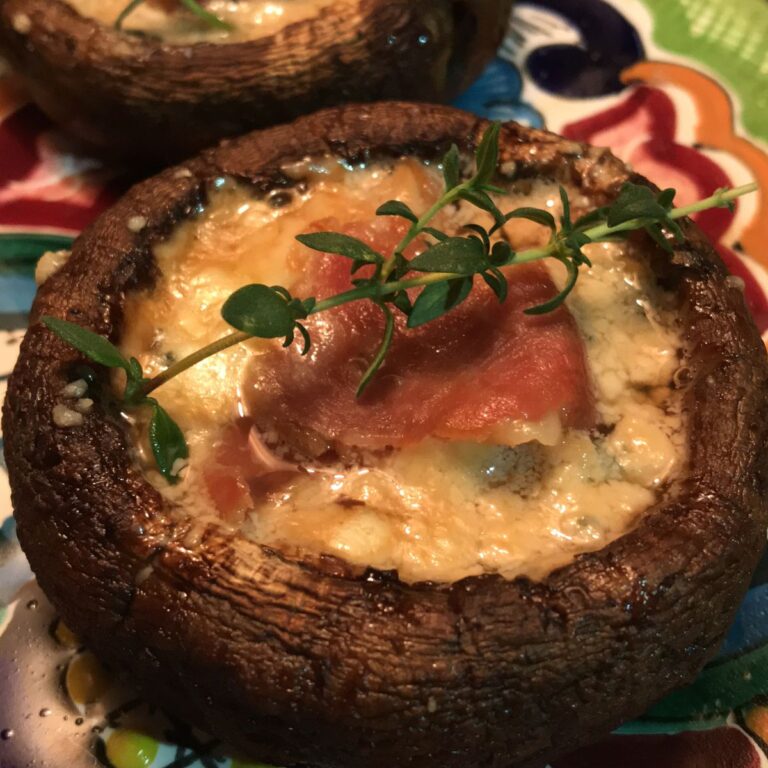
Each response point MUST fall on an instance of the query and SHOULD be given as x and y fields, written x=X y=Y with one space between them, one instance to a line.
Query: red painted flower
x=642 y=131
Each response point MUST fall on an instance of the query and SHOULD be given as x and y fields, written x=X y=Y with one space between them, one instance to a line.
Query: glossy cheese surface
x=170 y=21
x=522 y=498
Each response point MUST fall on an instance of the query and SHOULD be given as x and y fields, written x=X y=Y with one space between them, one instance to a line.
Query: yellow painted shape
x=86 y=680
x=756 y=720
x=130 y=749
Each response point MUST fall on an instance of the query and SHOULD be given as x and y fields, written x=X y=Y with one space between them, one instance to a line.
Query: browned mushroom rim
x=298 y=662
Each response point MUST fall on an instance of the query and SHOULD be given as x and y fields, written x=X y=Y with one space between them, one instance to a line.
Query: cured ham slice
x=462 y=377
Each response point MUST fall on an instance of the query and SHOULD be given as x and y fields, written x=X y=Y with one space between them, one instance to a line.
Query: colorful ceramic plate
x=678 y=88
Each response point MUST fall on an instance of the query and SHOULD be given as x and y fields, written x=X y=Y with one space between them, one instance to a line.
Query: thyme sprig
x=193 y=6
x=441 y=276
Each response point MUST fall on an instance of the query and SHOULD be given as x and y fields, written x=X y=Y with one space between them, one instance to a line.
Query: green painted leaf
x=460 y=255
x=487 y=155
x=396 y=208
x=451 y=168
x=724 y=685
x=167 y=441
x=343 y=245
x=437 y=299
x=93 y=346
x=27 y=248
x=635 y=201
x=260 y=311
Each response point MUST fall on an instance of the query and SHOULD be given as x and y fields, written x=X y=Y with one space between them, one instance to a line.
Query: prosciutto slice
x=482 y=366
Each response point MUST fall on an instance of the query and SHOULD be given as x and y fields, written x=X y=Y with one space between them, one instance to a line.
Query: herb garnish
x=449 y=266
x=193 y=6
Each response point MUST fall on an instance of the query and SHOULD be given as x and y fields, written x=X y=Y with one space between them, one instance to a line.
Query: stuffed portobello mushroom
x=526 y=528
x=168 y=83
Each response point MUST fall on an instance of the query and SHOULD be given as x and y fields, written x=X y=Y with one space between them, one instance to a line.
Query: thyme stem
x=190 y=360
x=126 y=12
x=382 y=289
x=418 y=226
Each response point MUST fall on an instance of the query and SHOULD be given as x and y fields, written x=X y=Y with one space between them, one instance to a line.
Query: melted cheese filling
x=438 y=510
x=170 y=21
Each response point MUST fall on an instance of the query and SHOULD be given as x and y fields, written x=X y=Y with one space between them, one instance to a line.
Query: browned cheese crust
x=316 y=662
x=148 y=99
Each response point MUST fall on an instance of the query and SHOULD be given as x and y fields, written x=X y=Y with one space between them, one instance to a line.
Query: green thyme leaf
x=451 y=169
x=126 y=12
x=493 y=189
x=306 y=339
x=210 y=19
x=487 y=155
x=666 y=199
x=553 y=304
x=482 y=200
x=675 y=229
x=309 y=305
x=729 y=204
x=438 y=298
x=167 y=441
x=497 y=283
x=396 y=208
x=635 y=201
x=502 y=254
x=459 y=255
x=591 y=219
x=135 y=370
x=402 y=301
x=481 y=233
x=576 y=241
x=565 y=219
x=436 y=233
x=93 y=346
x=134 y=386
x=343 y=245
x=260 y=311
x=537 y=215
x=656 y=233
x=386 y=343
